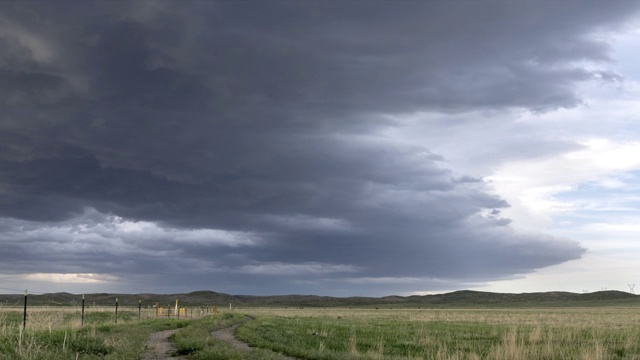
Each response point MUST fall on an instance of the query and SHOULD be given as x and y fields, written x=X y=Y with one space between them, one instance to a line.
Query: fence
x=144 y=311
x=183 y=312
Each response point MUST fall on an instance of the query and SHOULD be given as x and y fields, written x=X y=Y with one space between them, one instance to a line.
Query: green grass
x=331 y=338
x=509 y=334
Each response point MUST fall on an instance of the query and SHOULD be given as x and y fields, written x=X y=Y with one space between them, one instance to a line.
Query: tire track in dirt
x=228 y=334
x=160 y=348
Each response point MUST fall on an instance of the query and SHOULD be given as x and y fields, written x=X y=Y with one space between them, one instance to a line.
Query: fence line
x=20 y=291
x=153 y=311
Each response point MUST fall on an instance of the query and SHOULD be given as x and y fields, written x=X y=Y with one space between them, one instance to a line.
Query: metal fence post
x=82 y=317
x=24 y=317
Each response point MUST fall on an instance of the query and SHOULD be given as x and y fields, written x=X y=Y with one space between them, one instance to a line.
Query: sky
x=330 y=148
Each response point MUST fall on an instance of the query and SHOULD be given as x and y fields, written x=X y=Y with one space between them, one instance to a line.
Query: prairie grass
x=509 y=334
x=462 y=334
x=56 y=333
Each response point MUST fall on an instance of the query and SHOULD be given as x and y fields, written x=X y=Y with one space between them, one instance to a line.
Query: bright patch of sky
x=570 y=172
x=592 y=194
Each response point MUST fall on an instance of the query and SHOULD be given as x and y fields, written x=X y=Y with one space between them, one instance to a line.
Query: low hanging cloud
x=71 y=278
x=279 y=268
x=248 y=139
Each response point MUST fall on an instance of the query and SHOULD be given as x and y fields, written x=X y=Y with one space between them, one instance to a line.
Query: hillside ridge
x=461 y=298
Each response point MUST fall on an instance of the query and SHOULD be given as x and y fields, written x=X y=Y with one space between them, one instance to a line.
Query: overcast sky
x=331 y=148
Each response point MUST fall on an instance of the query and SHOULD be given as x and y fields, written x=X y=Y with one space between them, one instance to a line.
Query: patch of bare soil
x=159 y=347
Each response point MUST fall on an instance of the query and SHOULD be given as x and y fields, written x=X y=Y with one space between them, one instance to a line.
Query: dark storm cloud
x=262 y=121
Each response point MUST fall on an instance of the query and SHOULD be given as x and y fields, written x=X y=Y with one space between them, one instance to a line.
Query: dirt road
x=160 y=348
x=228 y=335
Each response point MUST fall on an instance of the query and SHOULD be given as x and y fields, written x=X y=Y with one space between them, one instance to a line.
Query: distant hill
x=554 y=298
x=465 y=298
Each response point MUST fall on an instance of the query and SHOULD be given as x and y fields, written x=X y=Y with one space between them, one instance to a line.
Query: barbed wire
x=29 y=291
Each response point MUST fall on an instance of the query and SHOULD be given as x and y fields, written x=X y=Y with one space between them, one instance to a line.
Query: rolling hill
x=464 y=298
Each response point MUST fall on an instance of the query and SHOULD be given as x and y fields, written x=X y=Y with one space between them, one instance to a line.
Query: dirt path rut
x=228 y=334
x=160 y=348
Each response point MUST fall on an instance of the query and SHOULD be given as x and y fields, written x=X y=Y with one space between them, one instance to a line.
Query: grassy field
x=335 y=333
x=541 y=333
